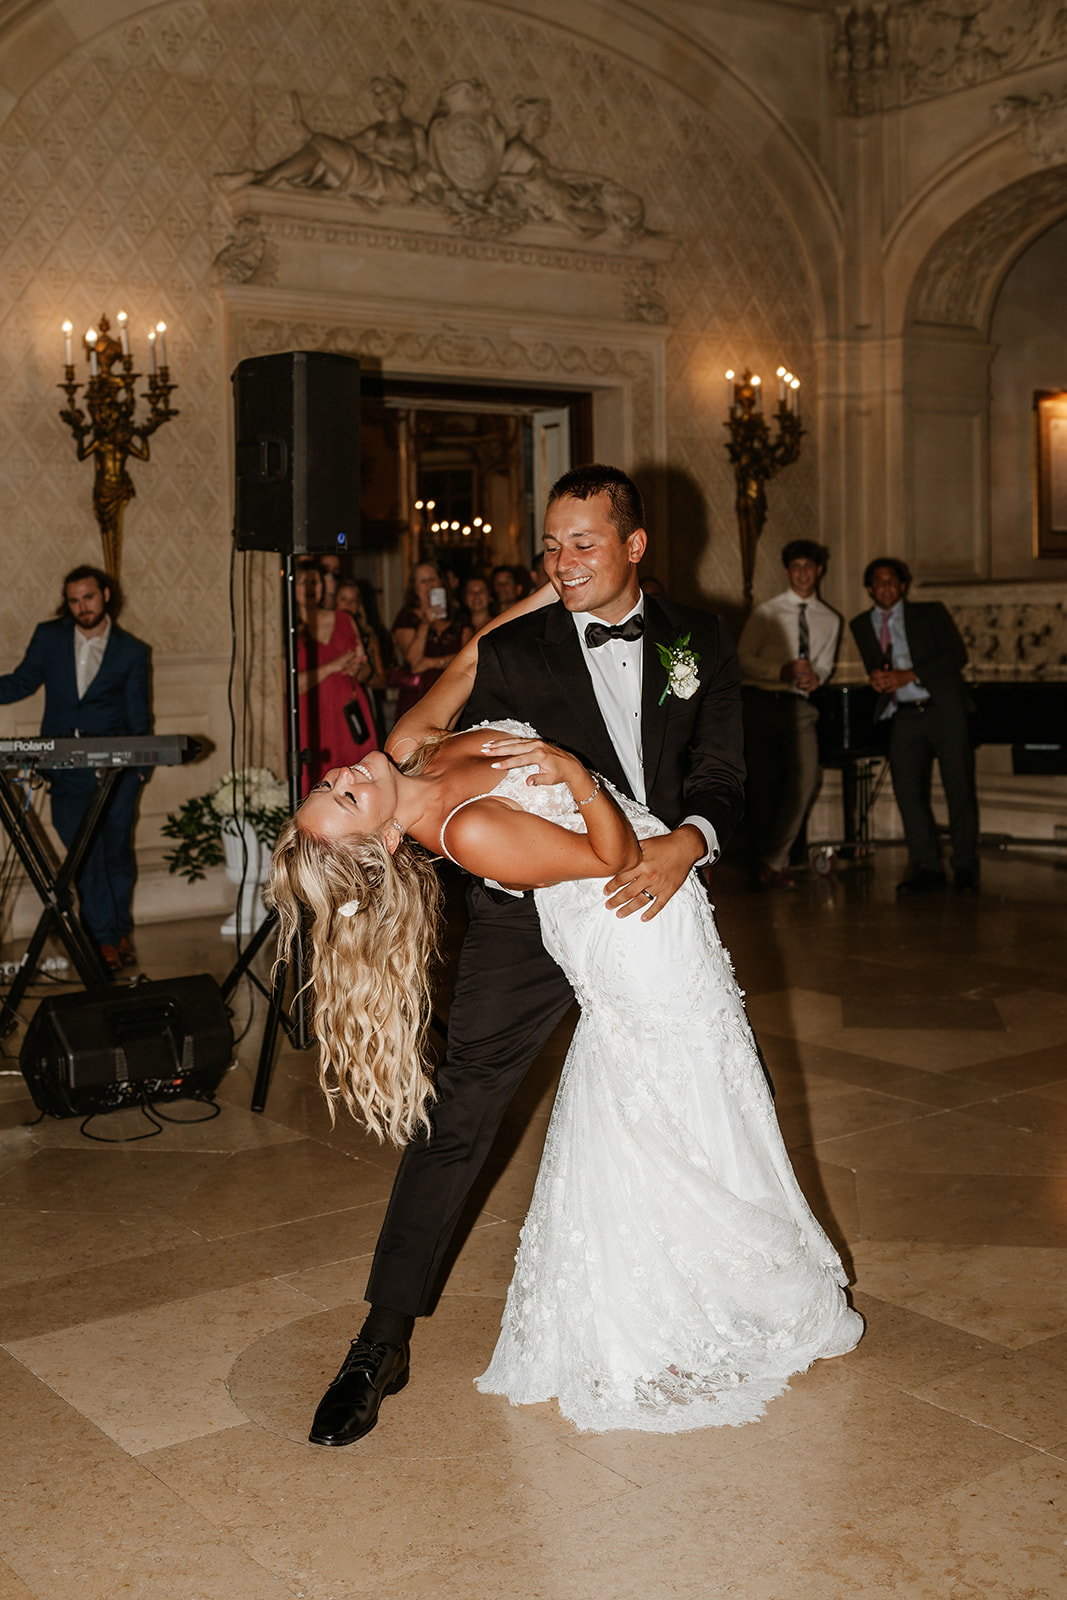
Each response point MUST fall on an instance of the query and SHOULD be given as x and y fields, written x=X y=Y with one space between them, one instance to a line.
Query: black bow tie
x=598 y=633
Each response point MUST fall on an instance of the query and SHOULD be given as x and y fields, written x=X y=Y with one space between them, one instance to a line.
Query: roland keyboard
x=97 y=750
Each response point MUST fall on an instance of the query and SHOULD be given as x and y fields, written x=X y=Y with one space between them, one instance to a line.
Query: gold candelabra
x=110 y=434
x=755 y=456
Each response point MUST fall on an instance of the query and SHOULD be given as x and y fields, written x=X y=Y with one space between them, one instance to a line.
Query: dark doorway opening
x=458 y=472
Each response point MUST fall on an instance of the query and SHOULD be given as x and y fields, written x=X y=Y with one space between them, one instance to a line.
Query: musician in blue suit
x=95 y=679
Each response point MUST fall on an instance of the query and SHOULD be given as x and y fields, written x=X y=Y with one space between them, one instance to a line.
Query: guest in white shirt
x=786 y=650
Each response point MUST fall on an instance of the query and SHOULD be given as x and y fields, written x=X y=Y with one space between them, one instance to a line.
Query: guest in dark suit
x=95 y=680
x=914 y=655
x=588 y=675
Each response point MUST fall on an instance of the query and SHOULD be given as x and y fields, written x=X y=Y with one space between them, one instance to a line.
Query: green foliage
x=199 y=834
x=252 y=795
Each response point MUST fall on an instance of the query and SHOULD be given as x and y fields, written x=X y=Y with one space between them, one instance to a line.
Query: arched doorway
x=951 y=356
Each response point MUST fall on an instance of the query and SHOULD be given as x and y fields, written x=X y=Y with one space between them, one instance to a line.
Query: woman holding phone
x=427 y=633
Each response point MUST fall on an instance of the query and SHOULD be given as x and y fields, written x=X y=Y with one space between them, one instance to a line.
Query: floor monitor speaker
x=97 y=1051
x=297 y=452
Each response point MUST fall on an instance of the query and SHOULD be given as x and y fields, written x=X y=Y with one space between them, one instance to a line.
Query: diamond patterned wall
x=106 y=197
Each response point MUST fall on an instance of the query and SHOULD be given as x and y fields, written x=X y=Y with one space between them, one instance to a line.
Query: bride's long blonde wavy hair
x=369 y=971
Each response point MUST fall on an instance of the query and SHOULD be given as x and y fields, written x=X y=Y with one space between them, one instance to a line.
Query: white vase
x=237 y=838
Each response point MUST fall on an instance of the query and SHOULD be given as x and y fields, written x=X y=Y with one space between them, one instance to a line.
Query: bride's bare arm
x=445 y=699
x=492 y=840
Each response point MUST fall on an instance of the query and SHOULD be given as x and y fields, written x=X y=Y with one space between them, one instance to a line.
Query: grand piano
x=1029 y=714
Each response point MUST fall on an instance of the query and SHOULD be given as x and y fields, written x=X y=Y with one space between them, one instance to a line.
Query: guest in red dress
x=330 y=656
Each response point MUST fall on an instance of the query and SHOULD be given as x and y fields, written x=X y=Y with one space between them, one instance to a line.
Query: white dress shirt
x=899 y=656
x=88 y=655
x=616 y=668
x=771 y=637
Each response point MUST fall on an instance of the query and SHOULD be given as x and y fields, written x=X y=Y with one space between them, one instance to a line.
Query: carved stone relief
x=488 y=180
x=860 y=57
x=1043 y=119
x=248 y=256
x=885 y=55
x=955 y=283
x=274 y=219
x=1025 y=636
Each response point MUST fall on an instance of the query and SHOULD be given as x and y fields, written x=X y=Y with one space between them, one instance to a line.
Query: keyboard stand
x=55 y=890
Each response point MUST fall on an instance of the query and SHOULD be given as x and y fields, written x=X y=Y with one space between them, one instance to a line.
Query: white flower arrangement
x=250 y=790
x=253 y=795
x=681 y=665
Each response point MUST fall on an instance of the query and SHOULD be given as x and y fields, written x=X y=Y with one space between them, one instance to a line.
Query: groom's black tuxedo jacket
x=532 y=670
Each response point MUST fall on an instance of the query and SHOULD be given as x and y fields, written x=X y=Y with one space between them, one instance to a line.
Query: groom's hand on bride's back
x=666 y=862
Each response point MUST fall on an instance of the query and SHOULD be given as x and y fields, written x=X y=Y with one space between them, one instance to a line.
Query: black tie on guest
x=803 y=632
x=598 y=633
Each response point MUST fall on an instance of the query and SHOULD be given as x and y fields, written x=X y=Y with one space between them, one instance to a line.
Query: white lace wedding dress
x=670 y=1273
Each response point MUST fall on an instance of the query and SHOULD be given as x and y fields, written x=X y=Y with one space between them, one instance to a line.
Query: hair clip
x=349 y=908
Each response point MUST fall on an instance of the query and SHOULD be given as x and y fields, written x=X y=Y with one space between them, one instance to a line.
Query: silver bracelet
x=593 y=796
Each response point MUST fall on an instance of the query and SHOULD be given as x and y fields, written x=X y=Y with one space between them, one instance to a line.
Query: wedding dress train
x=670 y=1274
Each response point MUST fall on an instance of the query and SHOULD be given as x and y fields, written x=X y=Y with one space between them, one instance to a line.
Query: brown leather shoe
x=127 y=954
x=112 y=959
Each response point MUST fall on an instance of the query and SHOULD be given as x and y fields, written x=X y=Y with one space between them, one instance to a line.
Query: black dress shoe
x=922 y=881
x=965 y=882
x=349 y=1408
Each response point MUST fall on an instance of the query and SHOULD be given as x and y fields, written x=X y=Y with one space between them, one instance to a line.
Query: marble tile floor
x=171 y=1310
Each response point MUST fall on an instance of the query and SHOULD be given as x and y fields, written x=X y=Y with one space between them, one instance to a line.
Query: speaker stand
x=295 y=1028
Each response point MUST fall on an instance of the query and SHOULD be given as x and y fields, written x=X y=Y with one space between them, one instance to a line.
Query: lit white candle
x=68 y=343
x=781 y=384
x=94 y=365
x=152 y=352
x=730 y=390
x=123 y=334
x=757 y=391
x=161 y=329
x=795 y=386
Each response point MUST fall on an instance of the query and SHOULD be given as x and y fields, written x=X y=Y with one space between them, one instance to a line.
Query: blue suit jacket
x=117 y=700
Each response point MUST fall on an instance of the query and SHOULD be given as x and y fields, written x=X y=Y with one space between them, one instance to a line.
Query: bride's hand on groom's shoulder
x=553 y=765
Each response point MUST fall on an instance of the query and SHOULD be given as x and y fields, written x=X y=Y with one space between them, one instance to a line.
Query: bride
x=670 y=1273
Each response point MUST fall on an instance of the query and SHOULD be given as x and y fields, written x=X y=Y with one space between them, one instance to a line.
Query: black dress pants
x=509 y=996
x=917 y=738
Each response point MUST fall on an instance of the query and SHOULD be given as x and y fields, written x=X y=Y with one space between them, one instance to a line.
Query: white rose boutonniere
x=681 y=665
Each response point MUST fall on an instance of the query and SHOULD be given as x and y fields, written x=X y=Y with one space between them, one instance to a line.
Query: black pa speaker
x=86 y=1053
x=297 y=456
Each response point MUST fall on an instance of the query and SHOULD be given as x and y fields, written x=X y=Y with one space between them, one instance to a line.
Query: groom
x=589 y=675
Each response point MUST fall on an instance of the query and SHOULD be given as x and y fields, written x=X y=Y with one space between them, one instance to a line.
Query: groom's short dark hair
x=582 y=483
